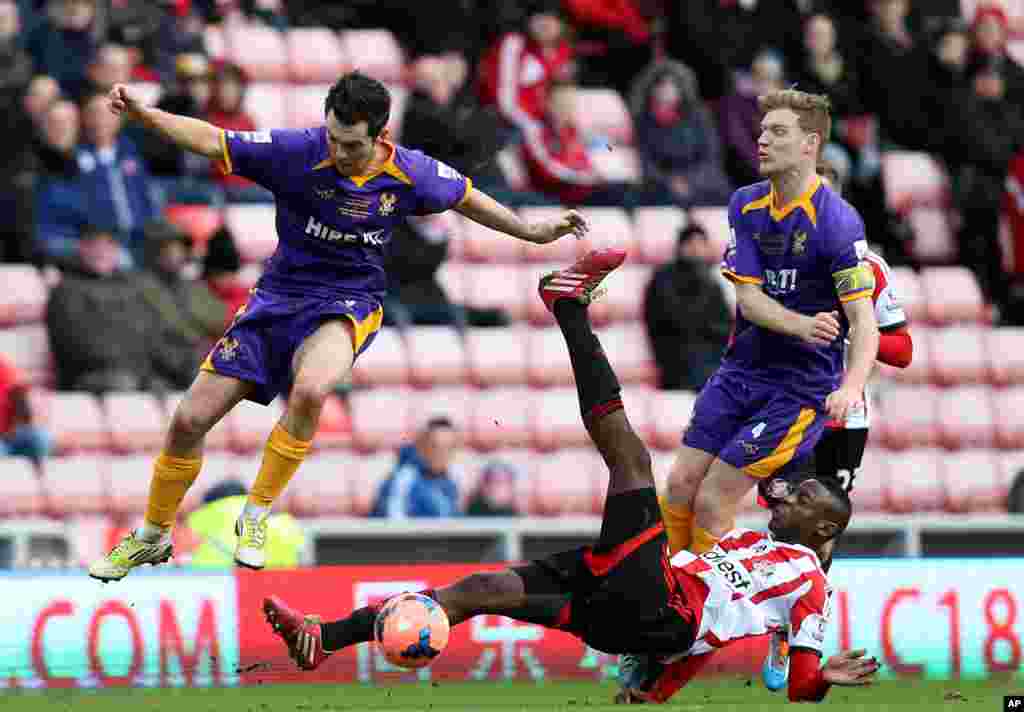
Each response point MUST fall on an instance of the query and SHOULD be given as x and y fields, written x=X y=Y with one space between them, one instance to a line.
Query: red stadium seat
x=452 y=278
x=958 y=356
x=916 y=484
x=254 y=231
x=483 y=244
x=909 y=416
x=1009 y=404
x=909 y=291
x=953 y=295
x=657 y=231
x=137 y=421
x=1005 y=355
x=920 y=369
x=497 y=357
x=305 y=106
x=547 y=358
x=265 y=103
x=76 y=485
x=500 y=287
x=670 y=413
x=374 y=52
x=314 y=54
x=609 y=227
x=221 y=435
x=556 y=421
x=715 y=222
x=129 y=479
x=258 y=49
x=913 y=180
x=369 y=473
x=75 y=419
x=620 y=164
x=629 y=352
x=335 y=426
x=933 y=238
x=23 y=490
x=563 y=252
x=452 y=402
x=324 y=486
x=966 y=419
x=24 y=294
x=381 y=418
x=602 y=111
x=564 y=482
x=637 y=401
x=28 y=348
x=386 y=363
x=501 y=418
x=399 y=99
x=626 y=288
x=975 y=481
x=198 y=221
x=217 y=467
x=436 y=356
x=870 y=488
x=252 y=424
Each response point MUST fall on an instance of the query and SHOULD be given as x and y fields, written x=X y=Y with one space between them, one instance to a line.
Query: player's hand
x=850 y=669
x=839 y=402
x=550 y=230
x=821 y=329
x=124 y=100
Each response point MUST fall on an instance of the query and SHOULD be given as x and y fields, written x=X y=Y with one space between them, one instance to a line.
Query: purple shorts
x=759 y=428
x=261 y=342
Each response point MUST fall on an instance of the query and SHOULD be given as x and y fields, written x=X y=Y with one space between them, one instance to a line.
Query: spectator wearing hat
x=686 y=313
x=221 y=266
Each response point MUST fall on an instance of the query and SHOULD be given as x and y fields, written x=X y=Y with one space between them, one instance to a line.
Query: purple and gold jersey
x=333 y=230
x=808 y=256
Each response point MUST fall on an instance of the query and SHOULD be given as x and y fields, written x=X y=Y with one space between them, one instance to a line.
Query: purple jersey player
x=340 y=189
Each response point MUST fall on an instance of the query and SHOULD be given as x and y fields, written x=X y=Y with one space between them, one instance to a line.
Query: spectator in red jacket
x=19 y=436
x=989 y=33
x=620 y=32
x=225 y=110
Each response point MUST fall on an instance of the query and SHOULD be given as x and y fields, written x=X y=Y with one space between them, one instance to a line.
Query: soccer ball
x=411 y=630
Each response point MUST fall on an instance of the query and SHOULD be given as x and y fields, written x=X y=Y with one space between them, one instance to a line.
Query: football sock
x=357 y=628
x=596 y=383
x=172 y=476
x=281 y=457
x=678 y=525
x=702 y=541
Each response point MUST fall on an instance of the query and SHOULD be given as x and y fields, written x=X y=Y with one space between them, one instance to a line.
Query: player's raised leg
x=320 y=364
x=209 y=398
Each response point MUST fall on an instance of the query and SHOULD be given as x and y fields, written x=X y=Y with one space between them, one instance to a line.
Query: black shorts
x=618 y=596
x=837 y=456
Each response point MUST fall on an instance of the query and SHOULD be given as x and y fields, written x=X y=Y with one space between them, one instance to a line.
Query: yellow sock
x=172 y=476
x=678 y=522
x=281 y=457
x=703 y=541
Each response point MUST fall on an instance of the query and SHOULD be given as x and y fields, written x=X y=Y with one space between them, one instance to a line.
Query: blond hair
x=813 y=111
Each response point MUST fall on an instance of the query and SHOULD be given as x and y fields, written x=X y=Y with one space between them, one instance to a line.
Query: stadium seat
x=381 y=418
x=452 y=278
x=657 y=231
x=137 y=421
x=715 y=221
x=920 y=369
x=28 y=348
x=952 y=294
x=1009 y=404
x=965 y=417
x=198 y=221
x=501 y=418
x=564 y=482
x=915 y=484
x=503 y=287
x=304 y=107
x=254 y=231
x=386 y=363
x=23 y=298
x=213 y=40
x=958 y=356
x=562 y=252
x=258 y=49
x=374 y=52
x=368 y=474
x=452 y=402
x=975 y=481
x=335 y=425
x=913 y=180
x=555 y=420
x=908 y=416
x=609 y=227
x=482 y=244
x=217 y=468
x=907 y=285
x=252 y=423
x=496 y=357
x=603 y=112
x=1005 y=355
x=23 y=490
x=75 y=420
x=637 y=402
x=933 y=238
x=76 y=485
x=547 y=358
x=265 y=103
x=314 y=55
x=436 y=356
x=524 y=462
x=629 y=352
x=670 y=413
x=1016 y=50
x=619 y=164
x=626 y=288
x=871 y=484
x=220 y=436
x=129 y=483
x=324 y=487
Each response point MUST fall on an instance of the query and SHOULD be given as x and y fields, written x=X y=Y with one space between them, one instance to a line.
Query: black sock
x=596 y=383
x=357 y=628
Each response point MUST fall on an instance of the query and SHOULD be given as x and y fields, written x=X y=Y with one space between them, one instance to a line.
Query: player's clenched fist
x=124 y=100
x=820 y=329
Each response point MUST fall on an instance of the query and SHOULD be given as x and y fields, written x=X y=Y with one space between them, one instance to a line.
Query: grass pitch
x=715 y=696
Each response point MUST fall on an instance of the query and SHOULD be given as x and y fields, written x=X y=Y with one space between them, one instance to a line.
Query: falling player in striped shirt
x=623 y=594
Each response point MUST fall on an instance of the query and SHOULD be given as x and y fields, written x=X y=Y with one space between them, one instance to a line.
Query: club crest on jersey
x=325 y=193
x=228 y=349
x=799 y=242
x=387 y=204
x=764 y=568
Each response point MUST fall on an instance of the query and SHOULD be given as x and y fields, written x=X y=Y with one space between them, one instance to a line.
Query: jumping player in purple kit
x=340 y=189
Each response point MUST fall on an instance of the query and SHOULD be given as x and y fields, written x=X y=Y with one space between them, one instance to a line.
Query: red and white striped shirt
x=515 y=75
x=750 y=584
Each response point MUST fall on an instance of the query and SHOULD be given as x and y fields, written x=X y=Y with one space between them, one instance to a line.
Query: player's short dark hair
x=356 y=97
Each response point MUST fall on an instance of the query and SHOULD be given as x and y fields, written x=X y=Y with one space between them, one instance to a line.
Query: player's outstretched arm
x=759 y=308
x=190 y=134
x=482 y=208
x=808 y=683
